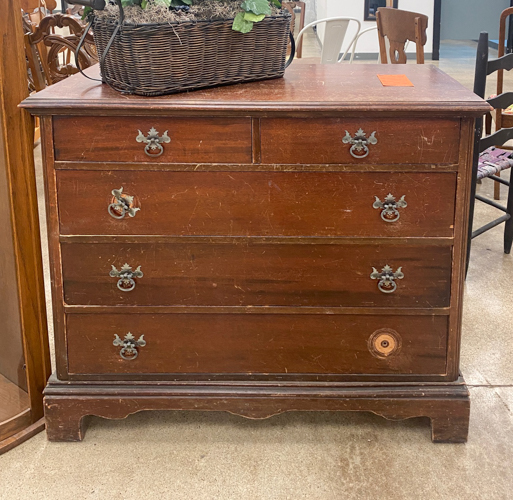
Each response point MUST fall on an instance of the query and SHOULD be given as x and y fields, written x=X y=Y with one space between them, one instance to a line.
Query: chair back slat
x=497 y=139
x=501 y=101
x=399 y=26
x=334 y=34
x=504 y=62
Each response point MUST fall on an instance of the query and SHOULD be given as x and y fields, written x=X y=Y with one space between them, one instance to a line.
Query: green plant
x=253 y=11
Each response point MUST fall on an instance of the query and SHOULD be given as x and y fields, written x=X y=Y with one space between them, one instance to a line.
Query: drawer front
x=256 y=274
x=320 y=140
x=189 y=140
x=257 y=203
x=256 y=344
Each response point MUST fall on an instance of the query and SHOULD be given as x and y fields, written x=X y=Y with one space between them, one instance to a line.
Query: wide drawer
x=320 y=140
x=256 y=344
x=257 y=203
x=189 y=140
x=240 y=273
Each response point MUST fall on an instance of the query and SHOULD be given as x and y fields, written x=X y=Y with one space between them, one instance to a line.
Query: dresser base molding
x=446 y=404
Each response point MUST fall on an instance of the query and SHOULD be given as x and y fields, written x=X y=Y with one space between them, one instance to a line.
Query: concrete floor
x=316 y=455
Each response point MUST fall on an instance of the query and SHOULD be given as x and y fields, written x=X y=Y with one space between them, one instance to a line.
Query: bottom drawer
x=256 y=344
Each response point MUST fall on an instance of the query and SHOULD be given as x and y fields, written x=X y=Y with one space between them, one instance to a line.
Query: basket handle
x=106 y=51
x=292 y=50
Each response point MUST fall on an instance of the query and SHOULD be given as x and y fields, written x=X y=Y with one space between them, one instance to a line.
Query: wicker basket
x=157 y=59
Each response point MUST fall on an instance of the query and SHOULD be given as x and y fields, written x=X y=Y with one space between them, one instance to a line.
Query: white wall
x=368 y=43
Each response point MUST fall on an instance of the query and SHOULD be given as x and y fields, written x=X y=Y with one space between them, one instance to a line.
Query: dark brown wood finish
x=257 y=203
x=24 y=357
x=319 y=140
x=196 y=140
x=255 y=344
x=256 y=296
x=256 y=274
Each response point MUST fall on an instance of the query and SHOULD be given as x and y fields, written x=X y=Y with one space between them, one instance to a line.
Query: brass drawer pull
x=126 y=282
x=359 y=143
x=387 y=277
x=153 y=142
x=389 y=206
x=122 y=204
x=129 y=346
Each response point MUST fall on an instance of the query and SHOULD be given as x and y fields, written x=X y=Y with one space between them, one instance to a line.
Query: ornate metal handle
x=129 y=346
x=387 y=278
x=359 y=143
x=389 y=206
x=122 y=204
x=153 y=142
x=126 y=277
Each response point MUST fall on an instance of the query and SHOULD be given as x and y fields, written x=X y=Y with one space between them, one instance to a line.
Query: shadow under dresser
x=292 y=244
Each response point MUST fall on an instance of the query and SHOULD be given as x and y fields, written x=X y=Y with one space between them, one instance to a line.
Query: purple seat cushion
x=492 y=161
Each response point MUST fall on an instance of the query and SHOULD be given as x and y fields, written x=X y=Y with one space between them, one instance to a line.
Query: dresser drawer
x=256 y=344
x=242 y=273
x=117 y=139
x=320 y=140
x=257 y=203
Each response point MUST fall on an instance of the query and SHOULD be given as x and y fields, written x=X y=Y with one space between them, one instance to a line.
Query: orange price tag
x=395 y=81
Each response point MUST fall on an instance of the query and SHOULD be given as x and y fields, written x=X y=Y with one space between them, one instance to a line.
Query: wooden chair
x=399 y=26
x=501 y=118
x=488 y=159
x=290 y=6
x=50 y=64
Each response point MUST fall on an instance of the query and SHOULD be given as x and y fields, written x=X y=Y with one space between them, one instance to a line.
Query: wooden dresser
x=295 y=244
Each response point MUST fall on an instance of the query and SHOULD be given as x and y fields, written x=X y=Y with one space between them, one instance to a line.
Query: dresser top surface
x=305 y=87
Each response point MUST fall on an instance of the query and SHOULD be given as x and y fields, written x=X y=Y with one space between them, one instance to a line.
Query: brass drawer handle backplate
x=126 y=275
x=359 y=143
x=387 y=277
x=389 y=206
x=129 y=346
x=153 y=142
x=122 y=204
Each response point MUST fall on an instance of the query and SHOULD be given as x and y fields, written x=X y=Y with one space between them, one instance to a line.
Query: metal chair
x=489 y=160
x=335 y=29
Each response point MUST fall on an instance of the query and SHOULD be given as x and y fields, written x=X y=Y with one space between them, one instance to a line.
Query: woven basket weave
x=157 y=59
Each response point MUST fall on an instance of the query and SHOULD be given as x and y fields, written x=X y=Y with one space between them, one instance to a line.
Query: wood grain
x=25 y=317
x=447 y=405
x=256 y=274
x=305 y=89
x=217 y=343
x=319 y=140
x=193 y=140
x=13 y=400
x=256 y=203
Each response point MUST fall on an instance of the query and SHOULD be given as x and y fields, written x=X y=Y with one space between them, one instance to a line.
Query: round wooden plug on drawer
x=384 y=342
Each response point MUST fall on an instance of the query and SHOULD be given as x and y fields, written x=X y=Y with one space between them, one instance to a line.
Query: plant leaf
x=277 y=3
x=87 y=10
x=249 y=16
x=258 y=7
x=144 y=3
x=241 y=25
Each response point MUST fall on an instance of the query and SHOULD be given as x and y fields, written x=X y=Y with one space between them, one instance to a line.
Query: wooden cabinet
x=24 y=353
x=295 y=244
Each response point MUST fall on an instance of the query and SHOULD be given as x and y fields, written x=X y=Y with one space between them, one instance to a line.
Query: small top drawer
x=359 y=140
x=160 y=140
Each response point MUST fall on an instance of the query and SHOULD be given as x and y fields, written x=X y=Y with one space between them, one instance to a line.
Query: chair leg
x=472 y=201
x=488 y=123
x=497 y=188
x=508 y=230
